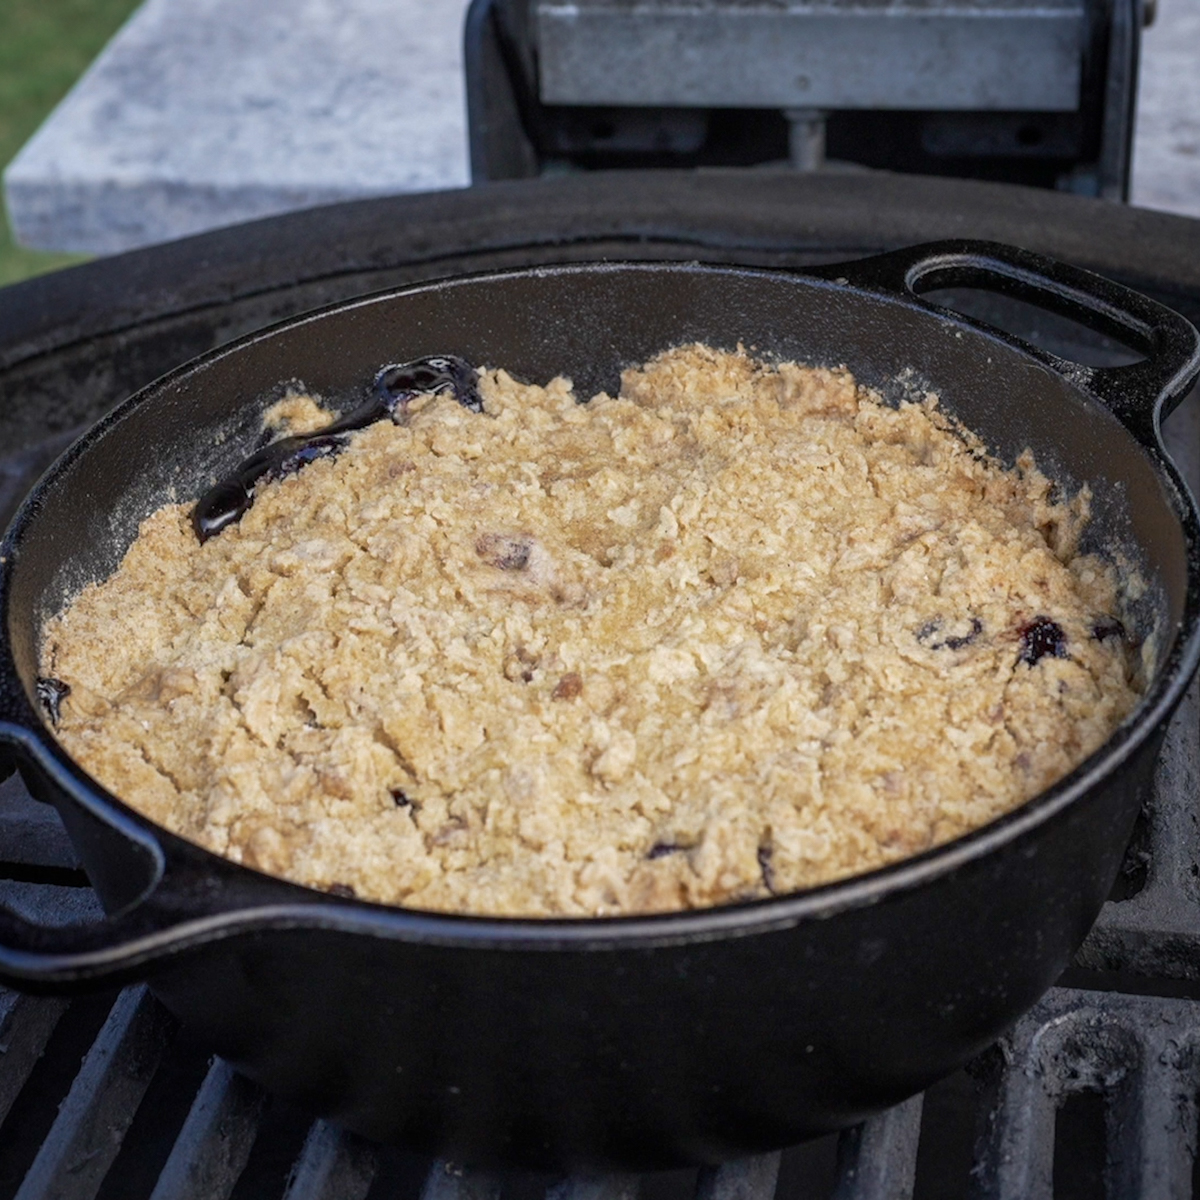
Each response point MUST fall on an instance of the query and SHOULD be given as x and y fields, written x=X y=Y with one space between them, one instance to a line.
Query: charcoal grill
x=1096 y=1091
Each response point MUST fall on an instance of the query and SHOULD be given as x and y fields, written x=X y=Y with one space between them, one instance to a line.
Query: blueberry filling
x=948 y=643
x=51 y=693
x=395 y=387
x=957 y=643
x=662 y=849
x=1042 y=637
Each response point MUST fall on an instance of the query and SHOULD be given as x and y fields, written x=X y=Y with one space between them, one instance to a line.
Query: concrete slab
x=202 y=113
x=1166 y=148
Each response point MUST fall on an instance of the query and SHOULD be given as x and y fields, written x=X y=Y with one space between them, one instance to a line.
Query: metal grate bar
x=1142 y=1053
x=446 y=1181
x=1154 y=1151
x=333 y=1165
x=92 y=1121
x=877 y=1160
x=26 y=1023
x=51 y=904
x=1157 y=932
x=1065 y=1046
x=212 y=1147
x=1019 y=1159
x=745 y=1179
x=596 y=1187
x=1175 y=836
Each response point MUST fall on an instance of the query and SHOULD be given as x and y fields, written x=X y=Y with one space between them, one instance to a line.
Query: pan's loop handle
x=1138 y=394
x=170 y=908
x=73 y=958
x=65 y=958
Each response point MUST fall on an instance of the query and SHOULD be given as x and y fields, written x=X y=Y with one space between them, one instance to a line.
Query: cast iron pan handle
x=73 y=958
x=157 y=924
x=124 y=948
x=1138 y=394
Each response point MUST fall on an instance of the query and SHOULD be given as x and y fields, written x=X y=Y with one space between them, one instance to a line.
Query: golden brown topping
x=738 y=630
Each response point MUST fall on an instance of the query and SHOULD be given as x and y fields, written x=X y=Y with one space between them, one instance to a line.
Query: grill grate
x=1137 y=1054
x=1140 y=1053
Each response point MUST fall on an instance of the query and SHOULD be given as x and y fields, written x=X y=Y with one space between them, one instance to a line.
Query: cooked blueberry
x=957 y=643
x=400 y=382
x=520 y=664
x=930 y=628
x=402 y=799
x=395 y=386
x=52 y=692
x=662 y=849
x=344 y=890
x=310 y=451
x=1042 y=637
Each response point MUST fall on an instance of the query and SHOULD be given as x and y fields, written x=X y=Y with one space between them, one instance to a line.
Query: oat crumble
x=740 y=630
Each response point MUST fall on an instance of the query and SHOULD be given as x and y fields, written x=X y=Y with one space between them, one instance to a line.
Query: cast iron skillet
x=632 y=1042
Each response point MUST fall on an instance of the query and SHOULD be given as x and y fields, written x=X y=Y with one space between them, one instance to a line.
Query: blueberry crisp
x=739 y=630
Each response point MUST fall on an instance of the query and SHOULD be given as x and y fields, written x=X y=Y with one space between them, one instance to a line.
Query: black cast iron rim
x=134 y=939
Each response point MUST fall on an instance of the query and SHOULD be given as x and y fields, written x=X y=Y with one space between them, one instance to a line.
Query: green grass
x=44 y=47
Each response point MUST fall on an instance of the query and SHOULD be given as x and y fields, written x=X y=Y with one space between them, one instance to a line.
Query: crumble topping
x=739 y=630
